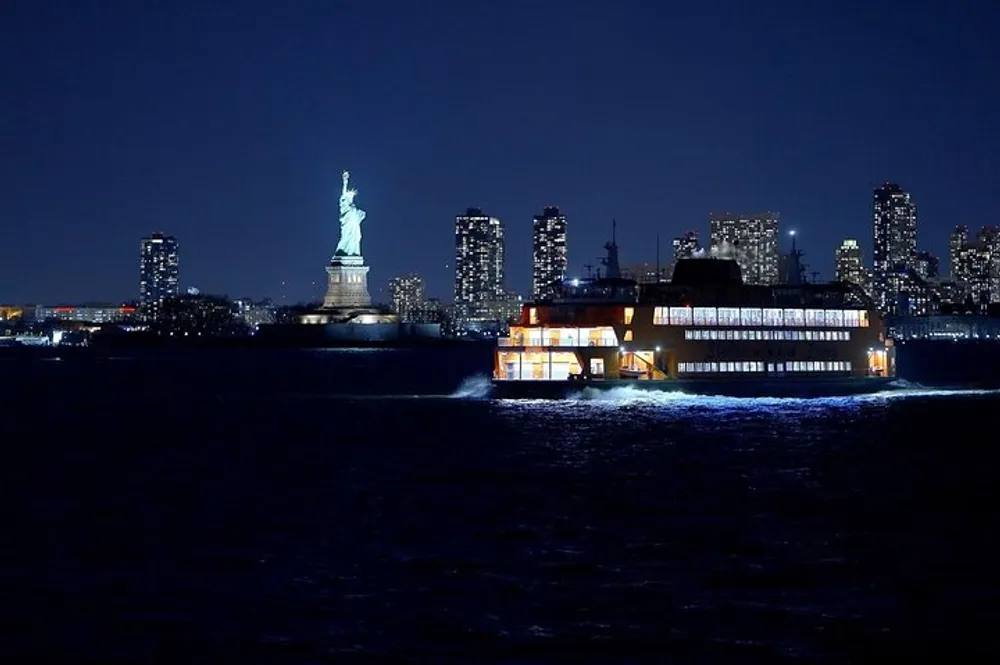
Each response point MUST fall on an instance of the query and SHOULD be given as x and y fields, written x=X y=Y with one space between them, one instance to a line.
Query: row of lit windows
x=755 y=316
x=758 y=366
x=770 y=335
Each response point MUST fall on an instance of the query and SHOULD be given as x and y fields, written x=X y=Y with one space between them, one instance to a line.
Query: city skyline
x=778 y=234
x=244 y=170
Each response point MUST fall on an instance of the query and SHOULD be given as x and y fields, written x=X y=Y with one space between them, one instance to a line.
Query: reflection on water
x=287 y=507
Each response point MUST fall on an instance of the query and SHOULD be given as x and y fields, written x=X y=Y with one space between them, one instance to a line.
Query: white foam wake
x=478 y=386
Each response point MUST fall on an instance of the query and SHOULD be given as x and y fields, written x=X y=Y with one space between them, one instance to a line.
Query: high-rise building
x=479 y=261
x=408 y=295
x=158 y=274
x=684 y=247
x=973 y=274
x=752 y=239
x=849 y=265
x=548 y=251
x=894 y=230
x=959 y=238
x=926 y=265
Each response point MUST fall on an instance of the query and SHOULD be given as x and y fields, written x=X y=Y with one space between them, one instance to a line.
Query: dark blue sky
x=227 y=124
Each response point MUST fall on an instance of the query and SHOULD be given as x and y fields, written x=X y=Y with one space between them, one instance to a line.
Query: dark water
x=308 y=507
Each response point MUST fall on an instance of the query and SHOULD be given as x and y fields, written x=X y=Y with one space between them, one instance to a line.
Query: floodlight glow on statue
x=351 y=217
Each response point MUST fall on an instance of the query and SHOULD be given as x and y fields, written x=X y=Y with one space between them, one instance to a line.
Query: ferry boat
x=704 y=332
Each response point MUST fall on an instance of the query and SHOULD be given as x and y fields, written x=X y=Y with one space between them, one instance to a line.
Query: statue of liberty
x=350 y=222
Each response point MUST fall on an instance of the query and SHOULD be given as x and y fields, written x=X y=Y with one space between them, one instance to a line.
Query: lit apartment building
x=158 y=273
x=548 y=253
x=753 y=238
x=407 y=295
x=894 y=231
x=684 y=247
x=479 y=261
x=849 y=266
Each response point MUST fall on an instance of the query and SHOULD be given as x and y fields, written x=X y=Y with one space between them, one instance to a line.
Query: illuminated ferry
x=704 y=332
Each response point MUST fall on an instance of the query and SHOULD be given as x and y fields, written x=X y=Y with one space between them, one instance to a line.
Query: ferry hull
x=789 y=387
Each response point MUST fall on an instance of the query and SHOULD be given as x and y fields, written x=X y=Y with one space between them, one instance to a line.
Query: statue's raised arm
x=346 y=176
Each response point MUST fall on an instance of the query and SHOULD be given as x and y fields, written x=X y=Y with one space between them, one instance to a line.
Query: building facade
x=849 y=265
x=753 y=241
x=894 y=246
x=158 y=274
x=549 y=258
x=479 y=260
x=408 y=295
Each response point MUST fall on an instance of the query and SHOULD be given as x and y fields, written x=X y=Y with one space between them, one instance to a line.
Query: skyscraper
x=408 y=295
x=548 y=251
x=479 y=261
x=158 y=274
x=684 y=247
x=849 y=266
x=894 y=231
x=754 y=241
x=956 y=242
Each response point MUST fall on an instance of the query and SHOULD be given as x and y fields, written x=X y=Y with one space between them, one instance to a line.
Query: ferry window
x=680 y=316
x=758 y=334
x=813 y=317
x=760 y=366
x=628 y=335
x=809 y=335
x=689 y=334
x=714 y=367
x=533 y=315
x=729 y=316
x=811 y=366
x=534 y=337
x=847 y=365
x=772 y=317
x=704 y=316
x=713 y=334
x=770 y=367
x=780 y=367
x=835 y=318
x=794 y=318
x=851 y=318
x=629 y=313
x=862 y=318
x=731 y=334
x=751 y=316
x=749 y=366
x=660 y=316
x=569 y=337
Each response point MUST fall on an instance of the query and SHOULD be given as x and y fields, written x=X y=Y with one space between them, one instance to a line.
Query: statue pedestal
x=347 y=283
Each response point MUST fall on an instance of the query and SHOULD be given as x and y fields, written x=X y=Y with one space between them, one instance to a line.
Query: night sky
x=227 y=124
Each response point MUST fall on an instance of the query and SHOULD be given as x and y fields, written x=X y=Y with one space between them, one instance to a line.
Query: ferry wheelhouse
x=704 y=331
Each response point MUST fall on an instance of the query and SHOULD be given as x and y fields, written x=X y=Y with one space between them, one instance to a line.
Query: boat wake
x=897 y=390
x=478 y=386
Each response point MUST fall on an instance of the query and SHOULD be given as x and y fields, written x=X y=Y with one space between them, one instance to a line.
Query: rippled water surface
x=323 y=507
